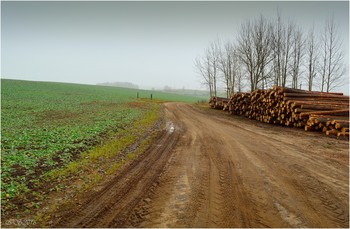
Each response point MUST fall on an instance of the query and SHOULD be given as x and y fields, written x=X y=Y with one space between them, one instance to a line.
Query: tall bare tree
x=237 y=81
x=246 y=53
x=324 y=56
x=239 y=76
x=229 y=66
x=207 y=67
x=213 y=57
x=281 y=45
x=276 y=46
x=311 y=58
x=262 y=43
x=225 y=62
x=254 y=49
x=332 y=68
x=286 y=51
x=202 y=65
x=297 y=56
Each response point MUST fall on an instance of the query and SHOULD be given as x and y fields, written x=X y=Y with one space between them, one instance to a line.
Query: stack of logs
x=310 y=110
x=218 y=102
x=239 y=103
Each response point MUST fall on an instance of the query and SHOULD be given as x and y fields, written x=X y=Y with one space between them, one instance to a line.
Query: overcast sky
x=151 y=44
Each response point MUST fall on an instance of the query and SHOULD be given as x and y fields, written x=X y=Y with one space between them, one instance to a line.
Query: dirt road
x=211 y=170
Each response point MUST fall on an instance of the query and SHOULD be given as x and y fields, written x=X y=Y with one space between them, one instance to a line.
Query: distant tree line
x=120 y=84
x=271 y=52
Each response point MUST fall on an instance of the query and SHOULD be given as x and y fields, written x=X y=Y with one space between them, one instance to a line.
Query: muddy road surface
x=213 y=170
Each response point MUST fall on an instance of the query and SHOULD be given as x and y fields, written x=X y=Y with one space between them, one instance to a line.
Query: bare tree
x=324 y=61
x=203 y=68
x=276 y=46
x=239 y=76
x=297 y=55
x=311 y=56
x=246 y=53
x=225 y=62
x=333 y=67
x=213 y=59
x=262 y=43
x=254 y=49
x=207 y=68
x=287 y=51
x=237 y=81
x=281 y=45
x=229 y=66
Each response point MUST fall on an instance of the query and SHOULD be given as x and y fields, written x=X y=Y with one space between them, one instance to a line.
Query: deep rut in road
x=210 y=171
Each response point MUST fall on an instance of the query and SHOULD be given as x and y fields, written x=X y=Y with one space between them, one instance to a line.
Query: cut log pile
x=218 y=102
x=238 y=103
x=330 y=125
x=311 y=110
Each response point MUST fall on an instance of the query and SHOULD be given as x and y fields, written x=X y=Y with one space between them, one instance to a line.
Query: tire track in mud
x=296 y=206
x=111 y=206
x=222 y=200
x=181 y=189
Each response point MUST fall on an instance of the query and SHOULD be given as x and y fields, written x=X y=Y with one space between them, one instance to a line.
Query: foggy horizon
x=150 y=44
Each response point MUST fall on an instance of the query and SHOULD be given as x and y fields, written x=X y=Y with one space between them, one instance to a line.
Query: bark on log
x=344 y=134
x=334 y=113
x=339 y=125
x=324 y=106
x=315 y=95
x=332 y=132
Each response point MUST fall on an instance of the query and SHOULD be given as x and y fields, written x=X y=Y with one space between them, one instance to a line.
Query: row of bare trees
x=274 y=52
x=220 y=62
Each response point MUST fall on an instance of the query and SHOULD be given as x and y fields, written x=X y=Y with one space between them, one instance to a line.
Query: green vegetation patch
x=50 y=130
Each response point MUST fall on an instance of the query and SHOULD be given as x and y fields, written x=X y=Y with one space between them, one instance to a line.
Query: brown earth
x=209 y=169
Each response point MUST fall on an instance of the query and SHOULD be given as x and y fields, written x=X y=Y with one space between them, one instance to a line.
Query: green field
x=46 y=126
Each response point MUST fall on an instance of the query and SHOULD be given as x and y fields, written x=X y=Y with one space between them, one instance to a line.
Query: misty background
x=149 y=44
